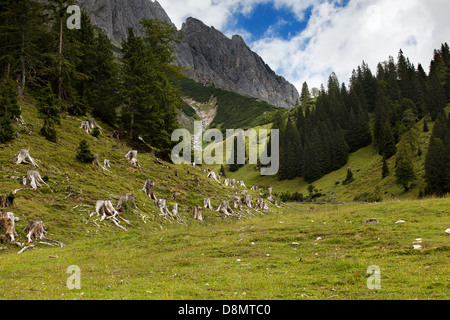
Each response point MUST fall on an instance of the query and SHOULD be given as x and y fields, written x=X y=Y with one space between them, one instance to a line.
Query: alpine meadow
x=93 y=206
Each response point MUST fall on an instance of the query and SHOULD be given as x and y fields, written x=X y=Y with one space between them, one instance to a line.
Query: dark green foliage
x=234 y=110
x=9 y=109
x=49 y=112
x=425 y=126
x=349 y=179
x=95 y=132
x=437 y=162
x=222 y=171
x=290 y=197
x=84 y=154
x=404 y=168
x=385 y=170
x=368 y=197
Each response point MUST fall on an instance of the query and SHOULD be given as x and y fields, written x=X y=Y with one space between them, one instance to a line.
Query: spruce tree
x=305 y=95
x=437 y=169
x=385 y=170
x=84 y=154
x=404 y=168
x=9 y=109
x=49 y=112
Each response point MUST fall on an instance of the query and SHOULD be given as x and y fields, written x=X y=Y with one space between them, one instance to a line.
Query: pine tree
x=9 y=109
x=305 y=96
x=349 y=179
x=437 y=169
x=84 y=154
x=404 y=168
x=49 y=112
x=385 y=171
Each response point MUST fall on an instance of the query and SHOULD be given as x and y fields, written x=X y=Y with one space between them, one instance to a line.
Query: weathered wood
x=132 y=156
x=8 y=222
x=107 y=164
x=207 y=204
x=241 y=184
x=96 y=161
x=225 y=209
x=86 y=127
x=34 y=179
x=149 y=187
x=237 y=203
x=213 y=176
x=24 y=158
x=198 y=214
x=128 y=200
x=35 y=229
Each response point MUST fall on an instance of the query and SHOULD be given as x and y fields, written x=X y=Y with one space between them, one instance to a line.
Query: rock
x=229 y=64
x=372 y=221
x=401 y=221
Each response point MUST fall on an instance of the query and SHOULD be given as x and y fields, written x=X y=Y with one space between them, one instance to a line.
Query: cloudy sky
x=306 y=40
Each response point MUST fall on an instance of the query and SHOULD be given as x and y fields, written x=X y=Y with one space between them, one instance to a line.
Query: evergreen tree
x=305 y=96
x=84 y=154
x=404 y=168
x=385 y=171
x=437 y=161
x=349 y=179
x=49 y=112
x=9 y=109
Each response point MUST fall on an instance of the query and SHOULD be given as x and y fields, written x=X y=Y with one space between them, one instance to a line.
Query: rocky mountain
x=209 y=56
x=229 y=64
x=115 y=16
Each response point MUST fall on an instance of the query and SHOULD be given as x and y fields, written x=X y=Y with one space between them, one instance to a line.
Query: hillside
x=75 y=188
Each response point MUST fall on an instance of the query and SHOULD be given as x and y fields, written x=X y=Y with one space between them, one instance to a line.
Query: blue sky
x=306 y=40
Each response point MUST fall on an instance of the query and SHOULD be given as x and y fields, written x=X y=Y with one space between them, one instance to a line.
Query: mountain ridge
x=208 y=56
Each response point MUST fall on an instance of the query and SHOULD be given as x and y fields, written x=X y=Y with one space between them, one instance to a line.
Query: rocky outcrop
x=115 y=16
x=214 y=59
x=207 y=54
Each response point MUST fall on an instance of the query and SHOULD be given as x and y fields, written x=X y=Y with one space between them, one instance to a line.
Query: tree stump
x=107 y=164
x=86 y=127
x=8 y=222
x=34 y=179
x=198 y=214
x=24 y=158
x=207 y=204
x=248 y=201
x=270 y=196
x=225 y=209
x=241 y=184
x=106 y=210
x=237 y=203
x=35 y=229
x=227 y=182
x=149 y=187
x=128 y=200
x=96 y=161
x=213 y=176
x=132 y=156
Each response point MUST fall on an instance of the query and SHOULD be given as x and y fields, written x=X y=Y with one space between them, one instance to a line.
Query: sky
x=307 y=40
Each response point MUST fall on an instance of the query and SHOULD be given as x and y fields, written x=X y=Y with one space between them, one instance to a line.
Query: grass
x=252 y=259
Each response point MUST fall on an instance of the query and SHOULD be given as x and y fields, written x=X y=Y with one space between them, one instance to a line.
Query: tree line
x=317 y=137
x=80 y=72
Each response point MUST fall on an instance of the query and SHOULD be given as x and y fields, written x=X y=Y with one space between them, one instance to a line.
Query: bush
x=368 y=197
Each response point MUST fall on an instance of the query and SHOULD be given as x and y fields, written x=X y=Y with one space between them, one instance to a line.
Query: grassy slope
x=163 y=260
x=366 y=166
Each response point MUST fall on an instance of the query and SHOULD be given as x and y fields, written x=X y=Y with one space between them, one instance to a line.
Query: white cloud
x=337 y=38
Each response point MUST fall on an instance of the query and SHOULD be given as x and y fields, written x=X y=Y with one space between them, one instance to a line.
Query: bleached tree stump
x=225 y=209
x=96 y=161
x=233 y=183
x=197 y=181
x=86 y=127
x=35 y=229
x=241 y=184
x=128 y=200
x=207 y=204
x=248 y=200
x=161 y=204
x=149 y=187
x=24 y=158
x=213 y=176
x=270 y=196
x=106 y=210
x=237 y=203
x=8 y=222
x=93 y=124
x=198 y=214
x=34 y=179
x=254 y=188
x=107 y=164
x=227 y=182
x=175 y=172
x=132 y=156
x=260 y=204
